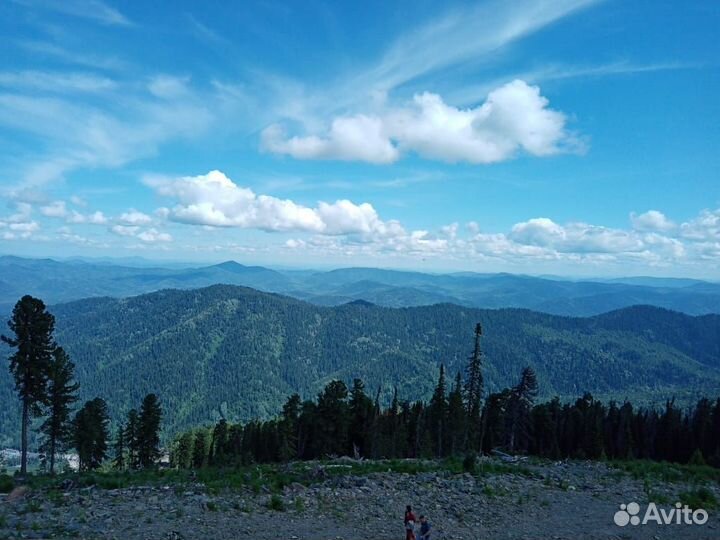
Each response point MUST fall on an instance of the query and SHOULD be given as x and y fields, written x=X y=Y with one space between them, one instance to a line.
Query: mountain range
x=238 y=352
x=63 y=281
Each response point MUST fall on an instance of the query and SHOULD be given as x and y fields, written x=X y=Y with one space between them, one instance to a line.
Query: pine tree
x=119 y=459
x=289 y=428
x=473 y=392
x=33 y=327
x=219 y=443
x=456 y=419
x=333 y=419
x=361 y=410
x=90 y=434
x=132 y=437
x=437 y=414
x=521 y=401
x=199 y=452
x=148 y=432
x=61 y=394
x=182 y=456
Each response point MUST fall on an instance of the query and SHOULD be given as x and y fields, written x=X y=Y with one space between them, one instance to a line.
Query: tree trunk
x=52 y=455
x=23 y=437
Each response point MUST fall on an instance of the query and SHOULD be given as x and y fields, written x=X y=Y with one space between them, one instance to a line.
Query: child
x=409 y=523
x=424 y=528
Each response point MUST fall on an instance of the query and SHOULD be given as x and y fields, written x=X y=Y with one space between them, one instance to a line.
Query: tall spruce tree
x=148 y=432
x=522 y=399
x=132 y=437
x=455 y=432
x=199 y=452
x=61 y=394
x=33 y=327
x=90 y=434
x=361 y=411
x=437 y=413
x=119 y=459
x=473 y=392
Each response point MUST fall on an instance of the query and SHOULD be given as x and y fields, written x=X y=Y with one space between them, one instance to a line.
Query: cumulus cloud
x=575 y=237
x=148 y=236
x=355 y=138
x=515 y=117
x=652 y=220
x=54 y=209
x=215 y=200
x=133 y=217
x=20 y=223
x=152 y=236
x=93 y=218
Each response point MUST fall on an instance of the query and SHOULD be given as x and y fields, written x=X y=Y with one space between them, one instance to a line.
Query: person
x=425 y=528
x=409 y=521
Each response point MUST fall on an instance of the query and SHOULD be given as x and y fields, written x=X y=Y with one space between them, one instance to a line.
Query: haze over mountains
x=62 y=281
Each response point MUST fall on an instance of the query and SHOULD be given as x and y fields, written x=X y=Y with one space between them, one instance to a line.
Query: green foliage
x=91 y=434
x=148 y=437
x=470 y=463
x=33 y=328
x=276 y=503
x=6 y=483
x=697 y=498
x=226 y=338
x=61 y=394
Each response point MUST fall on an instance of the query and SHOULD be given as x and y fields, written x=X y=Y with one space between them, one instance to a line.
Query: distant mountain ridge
x=56 y=281
x=239 y=352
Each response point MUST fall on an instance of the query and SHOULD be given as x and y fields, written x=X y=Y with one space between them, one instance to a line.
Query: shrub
x=276 y=503
x=6 y=483
x=699 y=498
x=470 y=463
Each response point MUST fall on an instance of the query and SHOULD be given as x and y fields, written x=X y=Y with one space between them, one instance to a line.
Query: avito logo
x=629 y=514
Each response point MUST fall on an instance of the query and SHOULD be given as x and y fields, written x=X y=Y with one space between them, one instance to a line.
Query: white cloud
x=358 y=137
x=652 y=220
x=168 y=87
x=56 y=82
x=152 y=236
x=94 y=218
x=133 y=217
x=54 y=209
x=574 y=237
x=123 y=230
x=94 y=10
x=214 y=199
x=705 y=227
x=514 y=117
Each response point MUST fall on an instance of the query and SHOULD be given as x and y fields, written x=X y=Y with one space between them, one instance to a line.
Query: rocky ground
x=557 y=501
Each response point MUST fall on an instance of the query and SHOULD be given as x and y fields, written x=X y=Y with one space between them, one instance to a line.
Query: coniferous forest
x=460 y=418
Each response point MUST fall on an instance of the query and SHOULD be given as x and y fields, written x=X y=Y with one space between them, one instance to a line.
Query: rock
x=18 y=493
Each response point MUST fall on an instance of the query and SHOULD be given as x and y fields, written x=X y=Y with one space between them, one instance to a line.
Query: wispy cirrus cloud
x=93 y=10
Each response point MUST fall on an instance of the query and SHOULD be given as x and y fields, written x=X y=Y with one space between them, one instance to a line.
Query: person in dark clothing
x=425 y=528
x=409 y=521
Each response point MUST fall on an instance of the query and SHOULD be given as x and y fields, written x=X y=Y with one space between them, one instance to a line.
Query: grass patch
x=697 y=498
x=667 y=472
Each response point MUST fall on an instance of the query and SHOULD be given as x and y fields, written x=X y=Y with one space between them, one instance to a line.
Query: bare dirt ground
x=575 y=500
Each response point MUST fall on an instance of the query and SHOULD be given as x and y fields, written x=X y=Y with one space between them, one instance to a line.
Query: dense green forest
x=347 y=421
x=236 y=353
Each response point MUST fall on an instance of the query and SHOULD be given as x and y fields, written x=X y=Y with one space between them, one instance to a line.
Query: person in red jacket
x=409 y=523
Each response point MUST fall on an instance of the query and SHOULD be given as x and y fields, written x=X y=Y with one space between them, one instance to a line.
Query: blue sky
x=573 y=137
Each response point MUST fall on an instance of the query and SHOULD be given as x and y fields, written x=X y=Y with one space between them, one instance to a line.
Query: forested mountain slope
x=63 y=281
x=241 y=351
